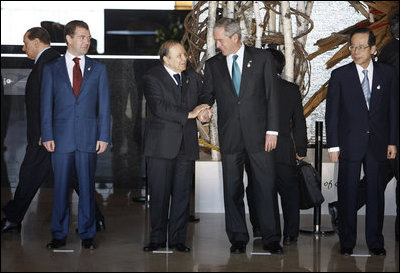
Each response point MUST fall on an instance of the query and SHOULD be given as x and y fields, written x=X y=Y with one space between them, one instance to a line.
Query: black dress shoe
x=378 y=251
x=8 y=226
x=333 y=211
x=238 y=248
x=274 y=248
x=56 y=243
x=153 y=246
x=289 y=240
x=89 y=243
x=346 y=251
x=100 y=225
x=180 y=247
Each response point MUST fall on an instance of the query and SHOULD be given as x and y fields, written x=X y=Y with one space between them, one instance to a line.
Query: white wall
x=19 y=16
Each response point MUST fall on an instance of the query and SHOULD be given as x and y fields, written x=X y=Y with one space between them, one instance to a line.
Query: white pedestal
x=210 y=198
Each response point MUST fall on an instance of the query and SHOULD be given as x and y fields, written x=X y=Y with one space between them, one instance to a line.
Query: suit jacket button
x=238 y=102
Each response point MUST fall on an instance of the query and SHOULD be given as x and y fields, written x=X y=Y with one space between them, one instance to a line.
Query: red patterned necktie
x=77 y=77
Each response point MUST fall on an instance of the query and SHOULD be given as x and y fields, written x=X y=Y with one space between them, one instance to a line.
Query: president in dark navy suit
x=75 y=112
x=362 y=127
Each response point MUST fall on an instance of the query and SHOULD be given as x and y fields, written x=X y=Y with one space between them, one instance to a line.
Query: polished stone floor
x=120 y=245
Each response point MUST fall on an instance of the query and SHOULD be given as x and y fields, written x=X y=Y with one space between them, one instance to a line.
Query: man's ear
x=69 y=39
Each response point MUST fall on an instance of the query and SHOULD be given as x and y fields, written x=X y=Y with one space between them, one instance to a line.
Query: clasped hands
x=202 y=112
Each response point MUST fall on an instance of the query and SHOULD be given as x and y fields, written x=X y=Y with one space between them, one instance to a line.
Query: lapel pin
x=249 y=63
x=89 y=68
x=187 y=81
x=378 y=87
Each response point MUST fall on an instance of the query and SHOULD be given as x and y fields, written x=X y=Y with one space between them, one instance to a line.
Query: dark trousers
x=391 y=171
x=35 y=170
x=263 y=182
x=348 y=180
x=170 y=182
x=288 y=188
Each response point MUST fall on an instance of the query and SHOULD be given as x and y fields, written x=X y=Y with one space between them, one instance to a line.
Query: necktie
x=236 y=77
x=365 y=87
x=178 y=80
x=77 y=77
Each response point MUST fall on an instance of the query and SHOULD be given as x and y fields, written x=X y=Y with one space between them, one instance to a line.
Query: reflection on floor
x=120 y=245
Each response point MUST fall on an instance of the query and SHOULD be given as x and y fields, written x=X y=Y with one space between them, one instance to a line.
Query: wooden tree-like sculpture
x=270 y=29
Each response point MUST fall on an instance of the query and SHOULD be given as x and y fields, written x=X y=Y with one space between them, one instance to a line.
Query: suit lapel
x=376 y=92
x=89 y=67
x=62 y=66
x=246 y=68
x=359 y=91
x=223 y=67
x=170 y=83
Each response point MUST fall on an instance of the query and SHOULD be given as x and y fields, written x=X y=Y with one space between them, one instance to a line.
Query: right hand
x=205 y=115
x=50 y=145
x=195 y=112
x=334 y=156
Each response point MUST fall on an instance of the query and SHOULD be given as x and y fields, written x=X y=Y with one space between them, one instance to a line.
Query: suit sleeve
x=159 y=106
x=104 y=107
x=36 y=126
x=333 y=111
x=46 y=104
x=299 y=126
x=394 y=109
x=271 y=94
x=207 y=95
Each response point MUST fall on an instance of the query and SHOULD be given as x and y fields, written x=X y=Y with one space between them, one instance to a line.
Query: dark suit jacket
x=292 y=125
x=349 y=123
x=167 y=123
x=75 y=123
x=254 y=111
x=32 y=95
x=390 y=54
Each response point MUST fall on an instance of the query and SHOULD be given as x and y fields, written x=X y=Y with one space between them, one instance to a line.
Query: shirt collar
x=369 y=68
x=69 y=57
x=240 y=52
x=171 y=72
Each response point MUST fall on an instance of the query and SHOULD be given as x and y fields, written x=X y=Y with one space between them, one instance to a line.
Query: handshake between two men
x=202 y=112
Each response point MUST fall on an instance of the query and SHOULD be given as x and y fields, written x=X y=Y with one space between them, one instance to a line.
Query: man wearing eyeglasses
x=361 y=127
x=75 y=111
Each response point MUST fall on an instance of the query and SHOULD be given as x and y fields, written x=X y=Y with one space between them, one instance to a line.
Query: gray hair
x=231 y=26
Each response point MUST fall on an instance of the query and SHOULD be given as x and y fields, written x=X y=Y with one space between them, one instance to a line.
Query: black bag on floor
x=309 y=183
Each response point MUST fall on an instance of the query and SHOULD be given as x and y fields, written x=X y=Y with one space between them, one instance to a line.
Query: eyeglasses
x=360 y=48
x=83 y=37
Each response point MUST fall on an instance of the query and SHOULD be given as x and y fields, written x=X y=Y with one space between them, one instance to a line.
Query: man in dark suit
x=171 y=146
x=75 y=123
x=361 y=126
x=242 y=80
x=292 y=145
x=389 y=55
x=36 y=166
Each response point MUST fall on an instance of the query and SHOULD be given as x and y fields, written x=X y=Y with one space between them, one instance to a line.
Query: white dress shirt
x=69 y=60
x=361 y=76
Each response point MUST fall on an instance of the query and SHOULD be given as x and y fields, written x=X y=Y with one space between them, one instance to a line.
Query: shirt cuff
x=333 y=149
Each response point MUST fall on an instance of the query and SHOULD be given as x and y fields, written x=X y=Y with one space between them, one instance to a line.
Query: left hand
x=299 y=157
x=391 y=152
x=270 y=142
x=101 y=146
